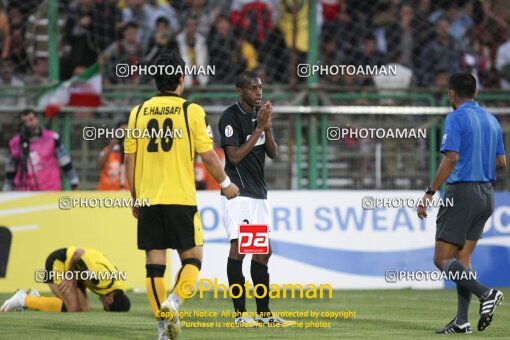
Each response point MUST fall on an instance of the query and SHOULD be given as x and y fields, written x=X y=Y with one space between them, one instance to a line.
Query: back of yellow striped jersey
x=169 y=139
x=106 y=276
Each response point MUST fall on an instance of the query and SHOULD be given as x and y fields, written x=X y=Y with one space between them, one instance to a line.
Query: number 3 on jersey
x=155 y=134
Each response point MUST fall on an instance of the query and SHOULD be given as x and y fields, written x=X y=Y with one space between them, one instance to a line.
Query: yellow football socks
x=156 y=286
x=44 y=304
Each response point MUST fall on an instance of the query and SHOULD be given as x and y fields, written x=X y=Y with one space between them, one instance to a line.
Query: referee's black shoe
x=487 y=308
x=453 y=328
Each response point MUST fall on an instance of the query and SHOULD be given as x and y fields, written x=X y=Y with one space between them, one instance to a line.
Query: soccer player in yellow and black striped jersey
x=159 y=168
x=88 y=268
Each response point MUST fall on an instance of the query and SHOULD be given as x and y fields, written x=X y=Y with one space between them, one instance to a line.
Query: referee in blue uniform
x=473 y=148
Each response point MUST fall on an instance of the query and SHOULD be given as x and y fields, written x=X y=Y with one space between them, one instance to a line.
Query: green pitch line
x=380 y=314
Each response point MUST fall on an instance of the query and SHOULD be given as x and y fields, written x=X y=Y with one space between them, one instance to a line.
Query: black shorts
x=55 y=262
x=169 y=226
x=473 y=204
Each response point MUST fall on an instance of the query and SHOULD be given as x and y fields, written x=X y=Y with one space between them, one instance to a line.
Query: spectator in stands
x=108 y=19
x=492 y=32
x=394 y=32
x=405 y=41
x=205 y=13
x=402 y=80
x=441 y=77
x=296 y=38
x=5 y=33
x=441 y=53
x=462 y=23
x=10 y=79
x=385 y=22
x=163 y=40
x=39 y=73
x=361 y=11
x=37 y=39
x=223 y=56
x=257 y=21
x=111 y=164
x=140 y=13
x=166 y=11
x=7 y=76
x=80 y=27
x=123 y=51
x=229 y=52
x=180 y=5
x=445 y=10
x=367 y=56
x=194 y=52
x=255 y=17
x=330 y=54
x=423 y=30
x=345 y=31
x=496 y=20
x=476 y=60
x=331 y=9
x=17 y=53
x=503 y=64
x=245 y=51
x=35 y=156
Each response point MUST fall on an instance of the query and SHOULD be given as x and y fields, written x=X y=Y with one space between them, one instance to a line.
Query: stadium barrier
x=307 y=159
x=319 y=237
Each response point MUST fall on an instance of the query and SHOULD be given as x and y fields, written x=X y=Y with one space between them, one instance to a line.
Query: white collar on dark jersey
x=241 y=108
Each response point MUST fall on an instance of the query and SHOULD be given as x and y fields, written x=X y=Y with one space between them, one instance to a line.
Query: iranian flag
x=81 y=90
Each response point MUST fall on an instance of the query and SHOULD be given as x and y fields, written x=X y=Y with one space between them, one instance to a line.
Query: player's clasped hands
x=264 y=116
x=231 y=191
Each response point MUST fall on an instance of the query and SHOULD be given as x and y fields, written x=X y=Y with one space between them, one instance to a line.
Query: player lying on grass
x=90 y=269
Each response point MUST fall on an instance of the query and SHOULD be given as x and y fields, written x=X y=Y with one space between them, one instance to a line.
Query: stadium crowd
x=427 y=39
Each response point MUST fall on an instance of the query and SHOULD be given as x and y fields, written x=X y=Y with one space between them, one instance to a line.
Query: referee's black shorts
x=165 y=226
x=473 y=204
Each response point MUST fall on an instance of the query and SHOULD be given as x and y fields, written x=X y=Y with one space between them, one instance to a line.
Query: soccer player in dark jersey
x=160 y=169
x=473 y=148
x=246 y=137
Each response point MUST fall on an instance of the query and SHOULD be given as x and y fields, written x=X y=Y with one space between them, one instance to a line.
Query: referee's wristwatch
x=429 y=191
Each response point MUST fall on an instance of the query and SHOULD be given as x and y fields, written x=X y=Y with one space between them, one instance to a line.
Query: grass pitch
x=380 y=314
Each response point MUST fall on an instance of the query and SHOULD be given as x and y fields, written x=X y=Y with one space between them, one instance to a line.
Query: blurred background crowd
x=428 y=40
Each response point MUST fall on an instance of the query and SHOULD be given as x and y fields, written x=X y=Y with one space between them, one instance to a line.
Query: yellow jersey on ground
x=165 y=132
x=104 y=277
